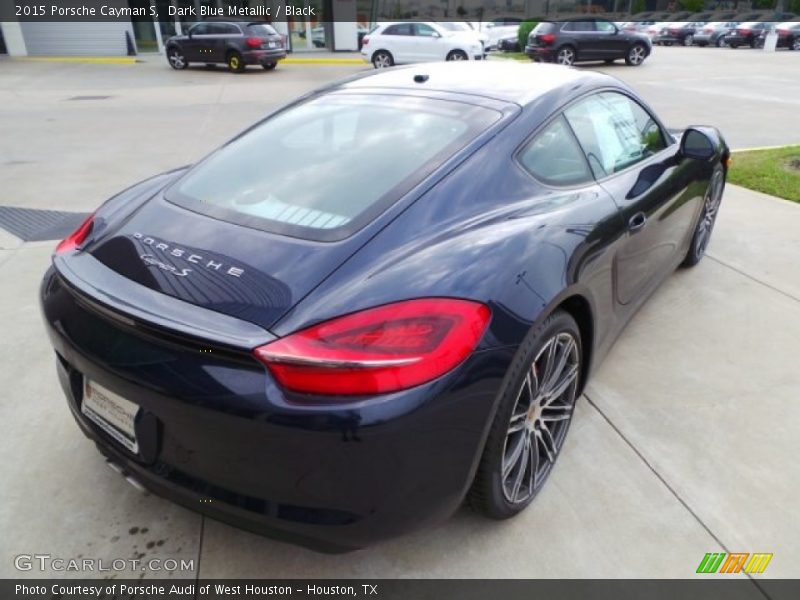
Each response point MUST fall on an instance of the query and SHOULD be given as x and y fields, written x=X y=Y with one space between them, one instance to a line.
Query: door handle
x=637 y=222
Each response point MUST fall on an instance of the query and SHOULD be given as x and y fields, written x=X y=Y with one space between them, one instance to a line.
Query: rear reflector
x=77 y=237
x=378 y=350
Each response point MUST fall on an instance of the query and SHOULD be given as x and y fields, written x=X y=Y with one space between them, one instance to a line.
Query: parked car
x=746 y=34
x=500 y=29
x=509 y=44
x=678 y=33
x=466 y=262
x=713 y=34
x=464 y=28
x=234 y=43
x=581 y=39
x=402 y=43
x=789 y=35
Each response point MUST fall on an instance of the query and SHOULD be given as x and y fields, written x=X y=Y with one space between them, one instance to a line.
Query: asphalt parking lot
x=685 y=441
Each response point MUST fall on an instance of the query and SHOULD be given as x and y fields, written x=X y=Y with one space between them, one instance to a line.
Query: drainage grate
x=33 y=225
x=89 y=98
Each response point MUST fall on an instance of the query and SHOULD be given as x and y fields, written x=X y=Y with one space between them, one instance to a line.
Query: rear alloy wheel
x=235 y=62
x=457 y=55
x=688 y=40
x=532 y=419
x=705 y=224
x=565 y=56
x=382 y=60
x=795 y=44
x=636 y=55
x=721 y=43
x=176 y=59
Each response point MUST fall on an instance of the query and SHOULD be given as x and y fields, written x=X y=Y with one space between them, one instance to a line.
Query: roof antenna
x=421 y=78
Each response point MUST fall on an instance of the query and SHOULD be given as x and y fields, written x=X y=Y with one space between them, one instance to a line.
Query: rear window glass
x=324 y=168
x=261 y=30
x=546 y=27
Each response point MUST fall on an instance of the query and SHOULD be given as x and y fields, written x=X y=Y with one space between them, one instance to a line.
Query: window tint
x=580 y=26
x=329 y=163
x=399 y=29
x=614 y=131
x=605 y=26
x=261 y=30
x=223 y=29
x=546 y=27
x=554 y=156
x=426 y=30
x=199 y=29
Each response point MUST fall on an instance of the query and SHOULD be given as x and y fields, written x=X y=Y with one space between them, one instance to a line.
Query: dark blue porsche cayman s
x=381 y=300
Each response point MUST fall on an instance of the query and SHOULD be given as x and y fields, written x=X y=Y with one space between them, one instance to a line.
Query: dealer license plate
x=112 y=413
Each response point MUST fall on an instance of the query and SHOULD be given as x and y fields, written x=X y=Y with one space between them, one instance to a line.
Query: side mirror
x=696 y=144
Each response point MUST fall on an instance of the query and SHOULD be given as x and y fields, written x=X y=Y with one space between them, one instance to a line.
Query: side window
x=579 y=26
x=605 y=26
x=554 y=157
x=425 y=30
x=399 y=29
x=614 y=131
x=229 y=29
x=199 y=29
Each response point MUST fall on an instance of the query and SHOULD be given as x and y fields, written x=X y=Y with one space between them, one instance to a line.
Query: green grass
x=775 y=172
x=512 y=55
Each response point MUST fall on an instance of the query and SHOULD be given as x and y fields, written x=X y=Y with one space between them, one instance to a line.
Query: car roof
x=507 y=81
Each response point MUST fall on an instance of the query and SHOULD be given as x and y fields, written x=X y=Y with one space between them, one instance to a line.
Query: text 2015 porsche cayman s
x=381 y=300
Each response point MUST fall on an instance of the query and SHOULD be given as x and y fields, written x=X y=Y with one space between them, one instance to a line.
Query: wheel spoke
x=523 y=465
x=563 y=355
x=510 y=461
x=561 y=386
x=547 y=442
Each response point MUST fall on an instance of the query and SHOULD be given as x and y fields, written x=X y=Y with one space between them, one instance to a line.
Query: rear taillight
x=77 y=237
x=364 y=41
x=547 y=39
x=253 y=42
x=743 y=31
x=378 y=350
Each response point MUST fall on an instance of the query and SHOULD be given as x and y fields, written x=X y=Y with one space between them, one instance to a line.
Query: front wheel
x=636 y=55
x=708 y=217
x=176 y=58
x=565 y=56
x=688 y=40
x=457 y=55
x=533 y=416
x=721 y=41
x=382 y=60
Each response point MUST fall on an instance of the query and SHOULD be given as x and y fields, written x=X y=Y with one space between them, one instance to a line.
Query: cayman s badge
x=164 y=250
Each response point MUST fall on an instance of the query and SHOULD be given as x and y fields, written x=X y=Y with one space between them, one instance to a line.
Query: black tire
x=269 y=66
x=489 y=493
x=382 y=59
x=734 y=46
x=720 y=41
x=708 y=217
x=176 y=58
x=688 y=40
x=667 y=43
x=636 y=55
x=235 y=62
x=457 y=55
x=753 y=42
x=795 y=44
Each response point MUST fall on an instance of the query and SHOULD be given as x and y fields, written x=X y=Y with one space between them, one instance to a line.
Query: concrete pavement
x=684 y=444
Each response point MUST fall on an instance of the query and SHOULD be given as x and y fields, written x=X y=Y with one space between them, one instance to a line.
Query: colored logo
x=734 y=562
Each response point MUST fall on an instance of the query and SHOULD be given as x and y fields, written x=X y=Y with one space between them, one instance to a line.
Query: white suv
x=402 y=43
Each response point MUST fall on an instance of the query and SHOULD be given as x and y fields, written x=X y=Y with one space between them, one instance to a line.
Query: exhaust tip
x=120 y=470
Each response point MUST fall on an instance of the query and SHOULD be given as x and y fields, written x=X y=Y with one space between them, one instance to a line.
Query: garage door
x=76 y=39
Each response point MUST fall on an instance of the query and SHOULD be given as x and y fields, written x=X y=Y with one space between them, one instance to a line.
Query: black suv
x=580 y=39
x=234 y=43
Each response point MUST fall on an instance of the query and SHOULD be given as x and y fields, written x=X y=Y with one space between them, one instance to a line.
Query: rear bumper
x=220 y=438
x=539 y=53
x=261 y=57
